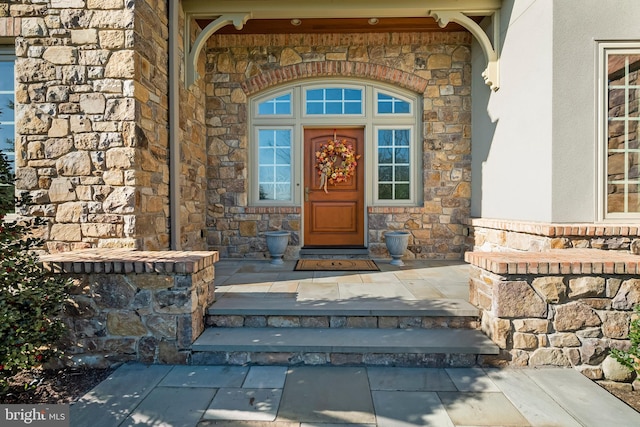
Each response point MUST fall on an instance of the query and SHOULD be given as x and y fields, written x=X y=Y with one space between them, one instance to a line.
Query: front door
x=333 y=213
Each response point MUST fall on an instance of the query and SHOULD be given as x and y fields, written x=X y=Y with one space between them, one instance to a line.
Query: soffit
x=302 y=9
x=342 y=15
x=337 y=25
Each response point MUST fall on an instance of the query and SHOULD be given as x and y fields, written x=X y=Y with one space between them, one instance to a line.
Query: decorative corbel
x=237 y=19
x=491 y=73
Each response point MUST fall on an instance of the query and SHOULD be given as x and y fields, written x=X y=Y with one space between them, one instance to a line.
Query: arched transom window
x=389 y=117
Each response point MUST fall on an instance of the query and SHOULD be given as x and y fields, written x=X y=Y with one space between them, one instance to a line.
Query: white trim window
x=275 y=157
x=620 y=119
x=388 y=115
x=393 y=159
x=7 y=104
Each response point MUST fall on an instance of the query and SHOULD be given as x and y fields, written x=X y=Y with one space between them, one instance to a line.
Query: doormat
x=336 y=265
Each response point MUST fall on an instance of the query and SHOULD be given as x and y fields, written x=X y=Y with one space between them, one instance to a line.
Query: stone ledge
x=118 y=261
x=561 y=261
x=272 y=210
x=394 y=209
x=557 y=229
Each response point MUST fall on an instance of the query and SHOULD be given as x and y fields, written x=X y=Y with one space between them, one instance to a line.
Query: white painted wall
x=578 y=26
x=535 y=143
x=512 y=128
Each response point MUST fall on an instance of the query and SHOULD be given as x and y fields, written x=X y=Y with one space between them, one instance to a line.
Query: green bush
x=631 y=357
x=30 y=297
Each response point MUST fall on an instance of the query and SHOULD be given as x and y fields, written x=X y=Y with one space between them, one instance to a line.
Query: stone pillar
x=558 y=308
x=91 y=117
x=126 y=305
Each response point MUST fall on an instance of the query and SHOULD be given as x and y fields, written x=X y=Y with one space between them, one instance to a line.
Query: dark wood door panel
x=334 y=217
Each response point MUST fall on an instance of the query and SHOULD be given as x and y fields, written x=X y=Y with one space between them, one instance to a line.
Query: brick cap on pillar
x=120 y=261
x=560 y=261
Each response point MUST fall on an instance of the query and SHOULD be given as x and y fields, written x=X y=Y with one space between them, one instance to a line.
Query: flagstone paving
x=305 y=396
x=325 y=396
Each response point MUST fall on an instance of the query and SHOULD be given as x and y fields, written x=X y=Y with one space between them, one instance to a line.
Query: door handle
x=306 y=194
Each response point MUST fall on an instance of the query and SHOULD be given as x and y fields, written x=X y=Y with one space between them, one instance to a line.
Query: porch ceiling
x=275 y=16
x=338 y=25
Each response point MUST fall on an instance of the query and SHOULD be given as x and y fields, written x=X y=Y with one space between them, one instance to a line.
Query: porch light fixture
x=373 y=21
x=296 y=22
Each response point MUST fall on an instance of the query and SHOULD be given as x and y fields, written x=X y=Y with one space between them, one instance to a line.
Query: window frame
x=8 y=54
x=263 y=99
x=370 y=121
x=378 y=91
x=291 y=165
x=336 y=85
x=604 y=50
x=413 y=169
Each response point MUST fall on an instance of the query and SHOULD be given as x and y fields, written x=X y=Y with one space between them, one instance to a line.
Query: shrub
x=30 y=297
x=631 y=357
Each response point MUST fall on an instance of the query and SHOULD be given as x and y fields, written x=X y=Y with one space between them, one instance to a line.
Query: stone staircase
x=270 y=330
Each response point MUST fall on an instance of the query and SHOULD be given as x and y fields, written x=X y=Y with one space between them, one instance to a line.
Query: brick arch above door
x=371 y=71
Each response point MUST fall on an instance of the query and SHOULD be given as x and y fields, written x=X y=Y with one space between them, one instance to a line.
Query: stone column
x=91 y=120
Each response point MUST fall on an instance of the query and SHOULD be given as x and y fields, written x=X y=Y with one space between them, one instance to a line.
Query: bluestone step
x=249 y=306
x=344 y=340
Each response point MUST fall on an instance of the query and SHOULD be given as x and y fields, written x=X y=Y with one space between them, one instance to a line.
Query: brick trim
x=558 y=230
x=272 y=210
x=394 y=209
x=10 y=27
x=335 y=69
x=118 y=261
x=562 y=261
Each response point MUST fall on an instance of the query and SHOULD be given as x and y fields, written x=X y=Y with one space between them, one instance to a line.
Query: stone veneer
x=127 y=305
x=193 y=153
x=434 y=65
x=562 y=307
x=91 y=119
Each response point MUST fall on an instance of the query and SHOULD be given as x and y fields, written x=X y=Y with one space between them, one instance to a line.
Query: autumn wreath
x=336 y=162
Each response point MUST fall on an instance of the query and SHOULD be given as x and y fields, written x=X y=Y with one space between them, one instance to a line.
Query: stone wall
x=503 y=235
x=434 y=65
x=126 y=305
x=193 y=154
x=561 y=308
x=91 y=118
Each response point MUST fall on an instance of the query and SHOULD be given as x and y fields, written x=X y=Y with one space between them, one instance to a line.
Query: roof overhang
x=220 y=13
x=289 y=9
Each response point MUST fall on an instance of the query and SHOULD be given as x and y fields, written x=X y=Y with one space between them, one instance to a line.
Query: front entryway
x=333 y=213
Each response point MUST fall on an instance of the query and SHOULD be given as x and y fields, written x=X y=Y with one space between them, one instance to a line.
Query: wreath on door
x=336 y=162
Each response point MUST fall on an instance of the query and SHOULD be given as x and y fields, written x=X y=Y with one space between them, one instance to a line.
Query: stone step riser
x=412 y=360
x=379 y=322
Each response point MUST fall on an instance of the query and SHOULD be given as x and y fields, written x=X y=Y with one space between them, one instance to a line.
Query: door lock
x=306 y=194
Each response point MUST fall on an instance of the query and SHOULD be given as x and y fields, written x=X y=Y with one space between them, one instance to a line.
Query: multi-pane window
x=274 y=164
x=394 y=164
x=280 y=119
x=334 y=100
x=388 y=104
x=622 y=102
x=280 y=105
x=7 y=107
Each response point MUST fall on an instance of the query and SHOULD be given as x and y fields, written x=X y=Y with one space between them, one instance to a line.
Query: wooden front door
x=334 y=217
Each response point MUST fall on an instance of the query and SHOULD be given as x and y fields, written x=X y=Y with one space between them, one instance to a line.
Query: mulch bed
x=53 y=386
x=623 y=392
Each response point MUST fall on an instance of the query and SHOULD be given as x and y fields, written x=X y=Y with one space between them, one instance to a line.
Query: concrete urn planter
x=277 y=242
x=397 y=242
